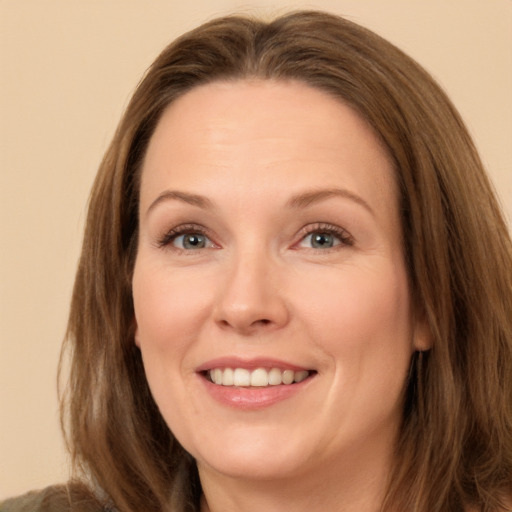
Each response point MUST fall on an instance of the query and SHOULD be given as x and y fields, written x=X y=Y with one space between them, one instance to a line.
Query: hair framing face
x=455 y=444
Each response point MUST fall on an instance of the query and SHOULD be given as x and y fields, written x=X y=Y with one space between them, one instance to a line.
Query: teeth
x=260 y=377
x=227 y=377
x=275 y=377
x=300 y=376
x=217 y=376
x=241 y=377
x=288 y=376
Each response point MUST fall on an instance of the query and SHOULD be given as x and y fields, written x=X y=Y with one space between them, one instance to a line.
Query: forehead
x=264 y=130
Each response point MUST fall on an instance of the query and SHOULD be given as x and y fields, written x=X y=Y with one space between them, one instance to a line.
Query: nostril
x=263 y=321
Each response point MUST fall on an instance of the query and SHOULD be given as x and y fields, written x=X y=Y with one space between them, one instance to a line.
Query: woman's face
x=270 y=250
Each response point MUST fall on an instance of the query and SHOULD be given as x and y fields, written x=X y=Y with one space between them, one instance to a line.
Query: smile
x=259 y=377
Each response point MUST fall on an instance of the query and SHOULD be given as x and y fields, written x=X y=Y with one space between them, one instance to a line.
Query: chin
x=254 y=468
x=253 y=457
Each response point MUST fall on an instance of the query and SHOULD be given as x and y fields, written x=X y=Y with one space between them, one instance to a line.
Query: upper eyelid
x=168 y=236
x=325 y=227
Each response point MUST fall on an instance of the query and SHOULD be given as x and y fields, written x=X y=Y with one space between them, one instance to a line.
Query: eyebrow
x=193 y=199
x=310 y=197
x=302 y=200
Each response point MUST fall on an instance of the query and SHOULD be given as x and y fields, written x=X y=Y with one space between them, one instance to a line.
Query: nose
x=251 y=297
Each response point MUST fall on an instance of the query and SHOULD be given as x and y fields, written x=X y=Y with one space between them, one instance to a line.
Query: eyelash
x=185 y=229
x=341 y=234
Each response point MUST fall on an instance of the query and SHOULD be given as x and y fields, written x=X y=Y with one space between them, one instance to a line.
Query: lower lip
x=251 y=398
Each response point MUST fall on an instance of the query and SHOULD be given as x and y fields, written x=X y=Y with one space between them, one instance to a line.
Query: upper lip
x=249 y=364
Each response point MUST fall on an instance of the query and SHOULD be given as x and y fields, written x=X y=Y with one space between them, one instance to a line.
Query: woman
x=295 y=287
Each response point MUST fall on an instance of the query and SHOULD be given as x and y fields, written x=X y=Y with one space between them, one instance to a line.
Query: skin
x=259 y=288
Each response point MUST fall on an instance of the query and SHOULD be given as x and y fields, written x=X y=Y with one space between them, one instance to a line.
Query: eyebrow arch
x=301 y=200
x=193 y=199
x=310 y=197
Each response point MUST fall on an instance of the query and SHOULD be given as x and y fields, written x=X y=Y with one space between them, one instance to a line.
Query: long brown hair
x=455 y=445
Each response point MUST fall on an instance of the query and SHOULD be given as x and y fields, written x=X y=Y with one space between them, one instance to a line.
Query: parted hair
x=454 y=448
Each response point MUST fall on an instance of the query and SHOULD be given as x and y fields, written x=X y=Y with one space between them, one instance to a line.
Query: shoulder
x=73 y=497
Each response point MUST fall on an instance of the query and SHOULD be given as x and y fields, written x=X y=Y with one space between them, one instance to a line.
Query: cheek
x=169 y=308
x=169 y=312
x=362 y=315
x=363 y=324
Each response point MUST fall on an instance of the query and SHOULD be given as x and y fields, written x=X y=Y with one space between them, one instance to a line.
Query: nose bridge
x=251 y=298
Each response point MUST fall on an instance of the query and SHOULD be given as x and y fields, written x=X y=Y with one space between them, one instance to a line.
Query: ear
x=422 y=336
x=135 y=328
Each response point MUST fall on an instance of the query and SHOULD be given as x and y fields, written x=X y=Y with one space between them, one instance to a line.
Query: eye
x=324 y=237
x=320 y=241
x=186 y=238
x=191 y=241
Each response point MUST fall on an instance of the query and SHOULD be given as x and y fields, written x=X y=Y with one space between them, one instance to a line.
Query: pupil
x=193 y=241
x=322 y=240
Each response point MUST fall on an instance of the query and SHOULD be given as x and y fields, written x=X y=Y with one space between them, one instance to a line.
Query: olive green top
x=58 y=498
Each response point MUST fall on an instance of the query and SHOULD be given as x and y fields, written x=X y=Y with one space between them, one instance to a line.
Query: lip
x=251 y=398
x=248 y=364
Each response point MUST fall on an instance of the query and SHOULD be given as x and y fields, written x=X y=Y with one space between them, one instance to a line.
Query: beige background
x=67 y=69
